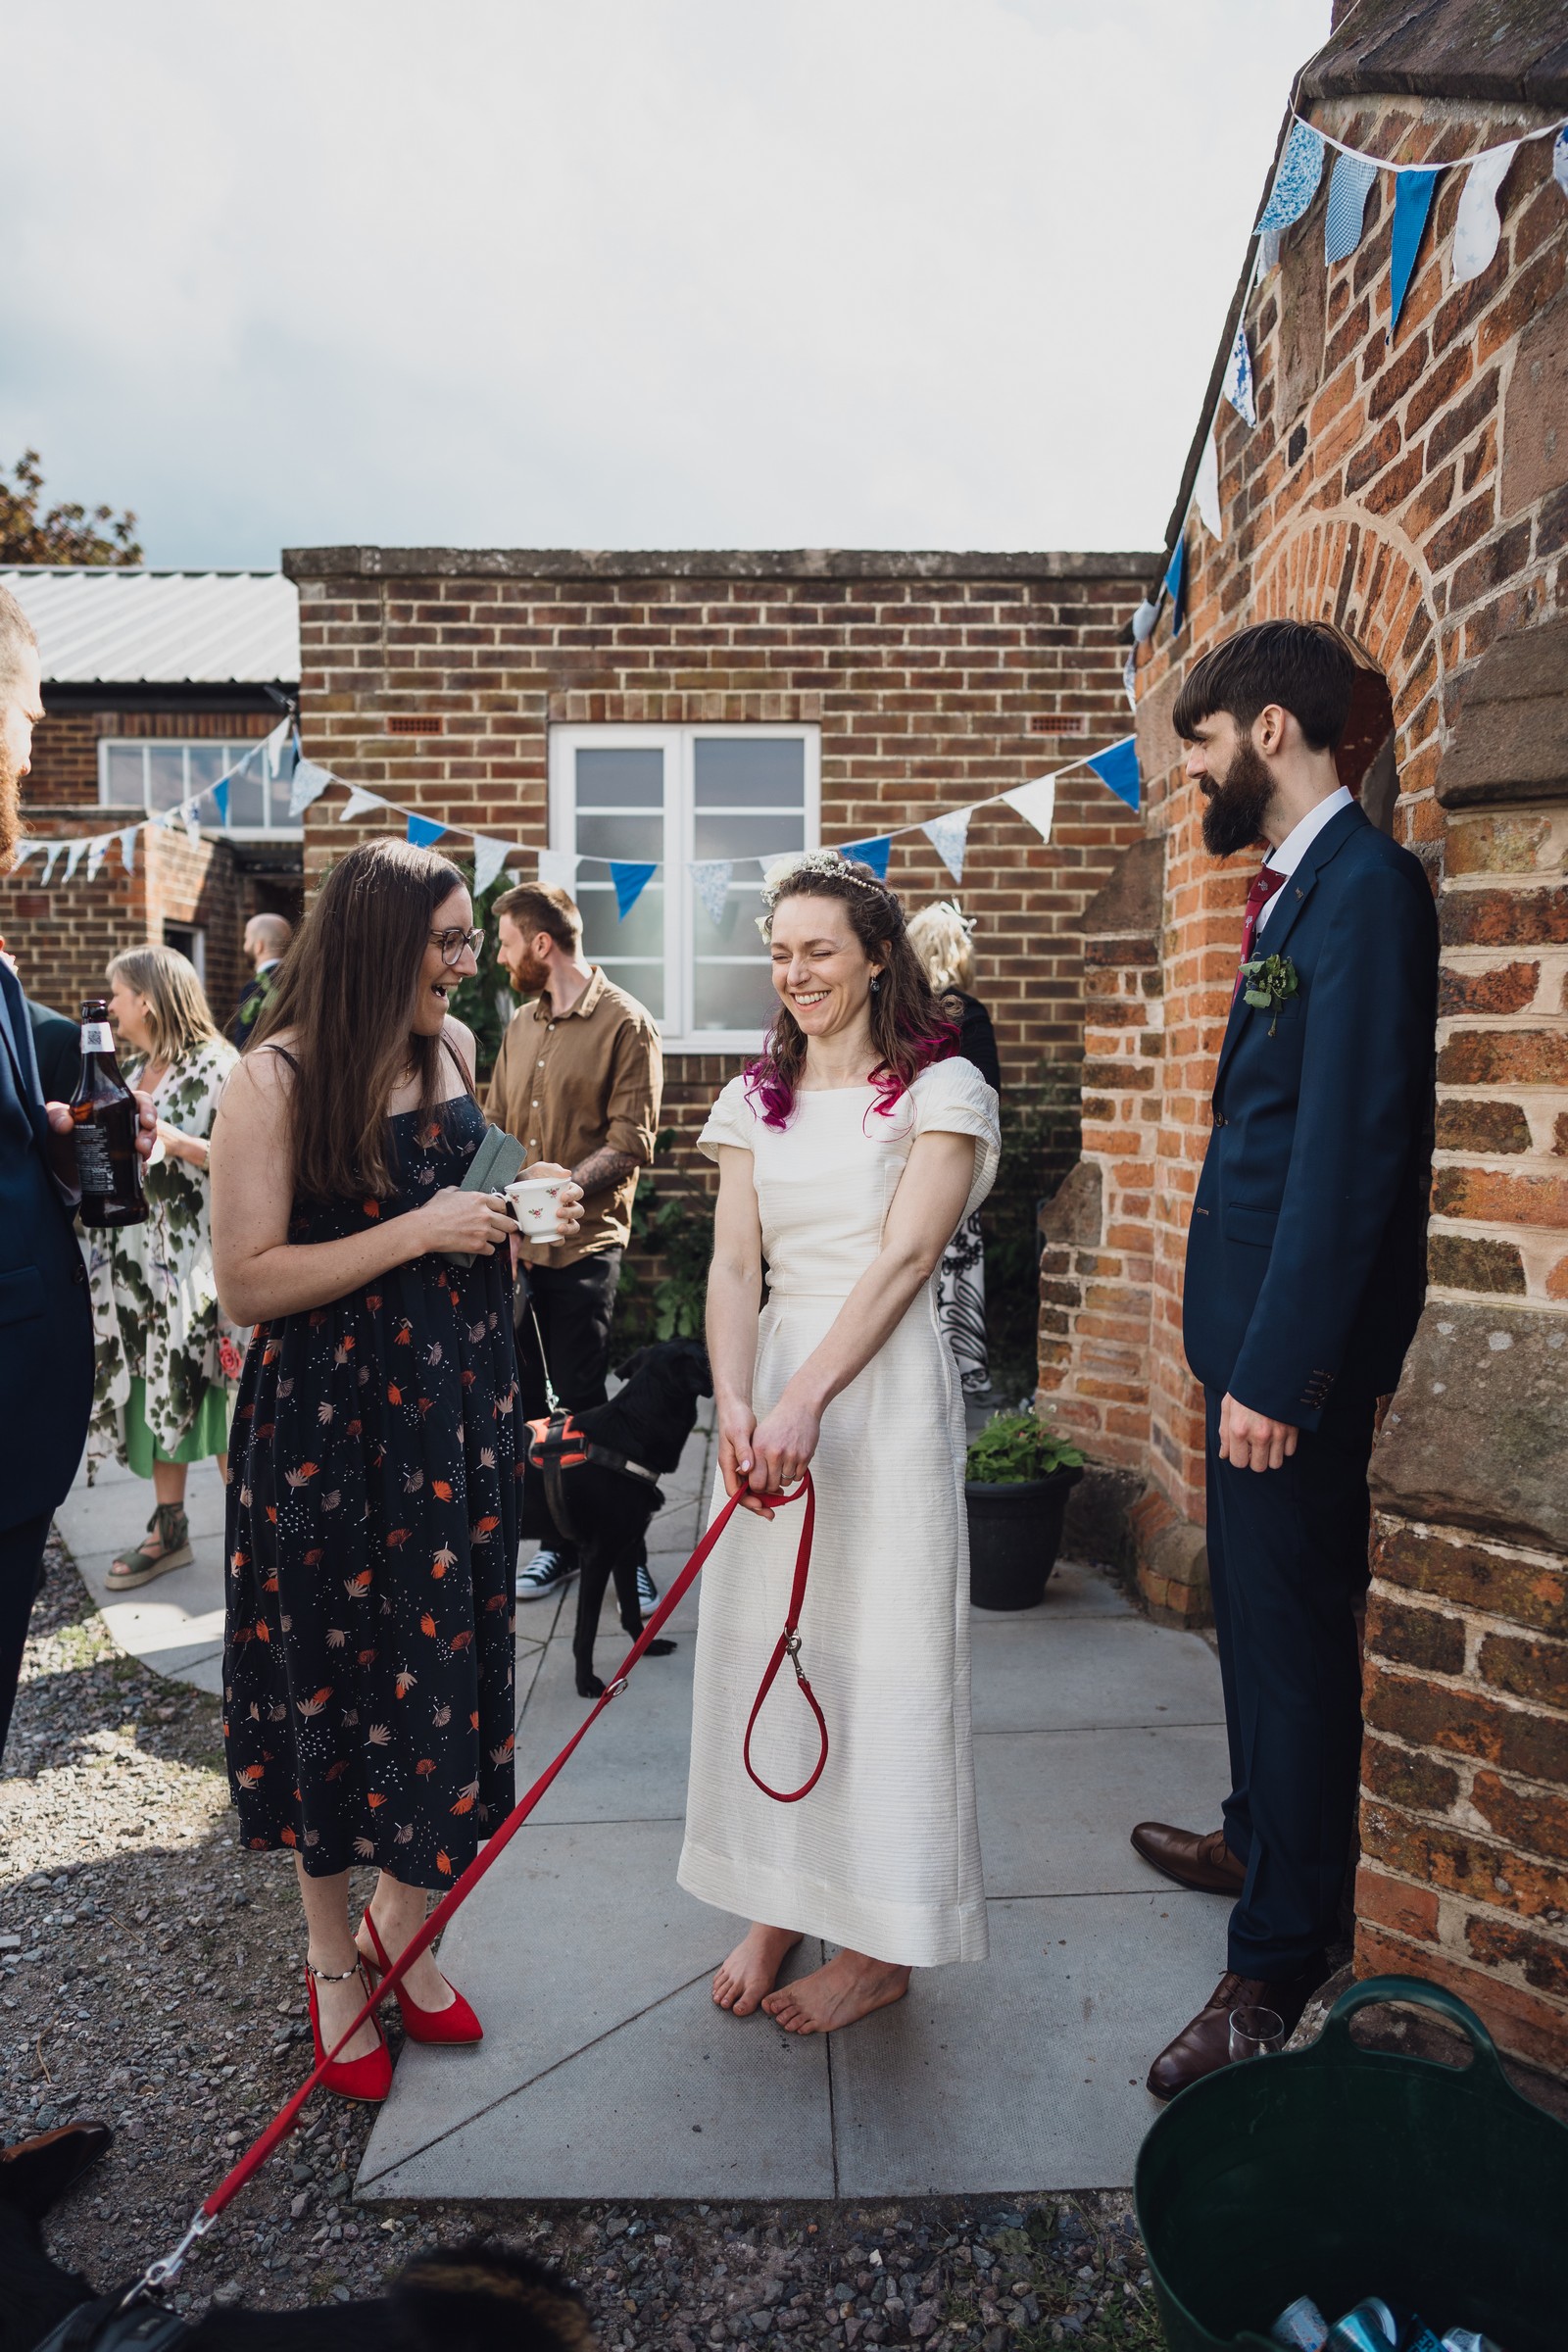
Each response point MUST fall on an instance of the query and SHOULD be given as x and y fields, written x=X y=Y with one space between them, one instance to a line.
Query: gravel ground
x=150 y=1973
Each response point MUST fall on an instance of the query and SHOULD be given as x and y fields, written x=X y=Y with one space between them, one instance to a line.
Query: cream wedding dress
x=884 y=1855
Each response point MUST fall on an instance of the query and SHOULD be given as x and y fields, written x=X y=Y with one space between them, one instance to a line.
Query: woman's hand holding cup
x=475 y=1223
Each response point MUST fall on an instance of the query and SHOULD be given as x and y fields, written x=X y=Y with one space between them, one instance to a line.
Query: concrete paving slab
x=1036 y=1674
x=175 y=1622
x=1056 y=1807
x=1026 y=2072
x=633 y=1767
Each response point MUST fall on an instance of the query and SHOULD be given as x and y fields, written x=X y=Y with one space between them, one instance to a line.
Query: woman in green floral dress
x=167 y=1364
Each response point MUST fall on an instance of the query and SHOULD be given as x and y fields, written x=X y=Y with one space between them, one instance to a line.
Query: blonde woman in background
x=166 y=1365
x=941 y=935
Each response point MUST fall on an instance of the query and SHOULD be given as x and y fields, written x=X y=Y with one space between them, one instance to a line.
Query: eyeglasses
x=453 y=943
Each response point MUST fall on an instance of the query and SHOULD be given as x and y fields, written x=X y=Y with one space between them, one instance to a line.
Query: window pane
x=733 y=996
x=605 y=934
x=279 y=792
x=165 y=776
x=726 y=836
x=620 y=779
x=644 y=981
x=750 y=771
x=247 y=792
x=207 y=761
x=737 y=934
x=639 y=839
x=124 y=769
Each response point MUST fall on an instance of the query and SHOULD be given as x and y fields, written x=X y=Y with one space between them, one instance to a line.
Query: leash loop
x=788 y=1645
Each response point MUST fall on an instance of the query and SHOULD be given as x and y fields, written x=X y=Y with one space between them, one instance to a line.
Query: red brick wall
x=1416 y=493
x=924 y=677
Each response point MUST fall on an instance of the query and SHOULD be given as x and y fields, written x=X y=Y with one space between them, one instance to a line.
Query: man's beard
x=1237 y=802
x=12 y=828
x=529 y=979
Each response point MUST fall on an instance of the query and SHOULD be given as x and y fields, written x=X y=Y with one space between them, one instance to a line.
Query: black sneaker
x=647 y=1590
x=545 y=1574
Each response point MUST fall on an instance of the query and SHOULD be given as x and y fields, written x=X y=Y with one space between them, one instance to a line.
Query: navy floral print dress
x=373 y=1539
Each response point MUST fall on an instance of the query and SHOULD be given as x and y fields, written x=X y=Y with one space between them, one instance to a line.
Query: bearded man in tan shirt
x=578 y=1082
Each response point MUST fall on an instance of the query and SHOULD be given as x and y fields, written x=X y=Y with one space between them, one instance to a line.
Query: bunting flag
x=310 y=782
x=1176 y=585
x=948 y=836
x=1129 y=678
x=1036 y=802
x=189 y=813
x=280 y=749
x=51 y=851
x=711 y=878
x=1117 y=766
x=1144 y=620
x=220 y=799
x=1349 y=185
x=359 y=803
x=97 y=852
x=557 y=869
x=630 y=882
x=423 y=830
x=1238 y=384
x=127 y=847
x=73 y=857
x=1206 y=490
x=1413 y=201
x=1559 y=159
x=873 y=853
x=1477 y=227
x=489 y=859
x=1268 y=251
x=1296 y=181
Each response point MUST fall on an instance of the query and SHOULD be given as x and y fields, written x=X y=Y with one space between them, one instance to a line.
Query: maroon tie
x=1265 y=882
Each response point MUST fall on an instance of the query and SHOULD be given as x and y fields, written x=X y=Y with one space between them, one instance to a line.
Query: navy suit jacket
x=46 y=1352
x=1306 y=1252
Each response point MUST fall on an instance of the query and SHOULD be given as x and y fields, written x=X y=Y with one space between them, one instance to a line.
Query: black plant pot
x=1014 y=1536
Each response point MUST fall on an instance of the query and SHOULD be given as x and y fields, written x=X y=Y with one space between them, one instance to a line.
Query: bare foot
x=751 y=1969
x=849 y=1987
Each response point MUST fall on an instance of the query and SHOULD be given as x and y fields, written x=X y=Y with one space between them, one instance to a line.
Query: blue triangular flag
x=874 y=854
x=630 y=882
x=1176 y=586
x=423 y=830
x=1559 y=159
x=1413 y=201
x=1348 y=188
x=1296 y=180
x=220 y=799
x=1117 y=767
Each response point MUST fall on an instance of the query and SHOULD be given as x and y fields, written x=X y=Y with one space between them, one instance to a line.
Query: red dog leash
x=167 y=2270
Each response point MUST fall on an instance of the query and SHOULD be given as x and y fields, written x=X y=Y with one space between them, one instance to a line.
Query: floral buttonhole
x=1268 y=982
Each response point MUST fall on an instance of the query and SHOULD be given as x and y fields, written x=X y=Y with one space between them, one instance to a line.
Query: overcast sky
x=627 y=272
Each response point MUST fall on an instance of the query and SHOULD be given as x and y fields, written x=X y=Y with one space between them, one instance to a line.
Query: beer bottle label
x=97 y=1037
x=95 y=1170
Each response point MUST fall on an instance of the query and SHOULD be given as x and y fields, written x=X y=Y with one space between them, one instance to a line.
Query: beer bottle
x=104 y=1108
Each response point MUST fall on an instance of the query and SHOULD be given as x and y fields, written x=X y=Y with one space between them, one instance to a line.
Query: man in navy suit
x=1306 y=1264
x=46 y=1352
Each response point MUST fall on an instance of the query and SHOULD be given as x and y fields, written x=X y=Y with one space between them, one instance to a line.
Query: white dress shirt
x=1294 y=847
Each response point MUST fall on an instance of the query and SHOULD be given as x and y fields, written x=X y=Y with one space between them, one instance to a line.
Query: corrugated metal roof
x=104 y=624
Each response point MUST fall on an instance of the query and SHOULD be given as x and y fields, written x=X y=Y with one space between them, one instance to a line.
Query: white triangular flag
x=1036 y=800
x=948 y=835
x=1238 y=384
x=710 y=877
x=1206 y=490
x=274 y=747
x=489 y=857
x=97 y=852
x=188 y=811
x=51 y=853
x=127 y=847
x=1477 y=227
x=1129 y=676
x=74 y=851
x=357 y=802
x=310 y=782
x=557 y=869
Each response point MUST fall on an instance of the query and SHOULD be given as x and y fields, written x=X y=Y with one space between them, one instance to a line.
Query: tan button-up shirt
x=569 y=1084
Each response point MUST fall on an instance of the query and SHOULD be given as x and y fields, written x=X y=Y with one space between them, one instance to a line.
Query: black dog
x=478 y=2298
x=647 y=1422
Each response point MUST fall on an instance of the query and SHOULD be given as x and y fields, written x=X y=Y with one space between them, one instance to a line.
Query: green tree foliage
x=663 y=1282
x=66 y=533
x=486 y=1002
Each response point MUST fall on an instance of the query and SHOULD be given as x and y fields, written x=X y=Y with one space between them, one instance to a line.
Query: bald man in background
x=266 y=938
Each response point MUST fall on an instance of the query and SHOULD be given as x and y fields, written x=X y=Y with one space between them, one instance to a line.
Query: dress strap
x=286 y=1054
x=464 y=1071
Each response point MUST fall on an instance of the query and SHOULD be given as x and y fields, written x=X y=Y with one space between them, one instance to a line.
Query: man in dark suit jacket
x=46 y=1349
x=1305 y=1263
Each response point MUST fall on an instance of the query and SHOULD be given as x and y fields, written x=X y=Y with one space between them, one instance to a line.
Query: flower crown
x=784 y=872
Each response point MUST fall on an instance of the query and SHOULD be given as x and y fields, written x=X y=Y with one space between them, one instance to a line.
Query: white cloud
x=629 y=272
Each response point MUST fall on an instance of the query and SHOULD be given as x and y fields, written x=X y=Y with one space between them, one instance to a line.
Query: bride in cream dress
x=848 y=1156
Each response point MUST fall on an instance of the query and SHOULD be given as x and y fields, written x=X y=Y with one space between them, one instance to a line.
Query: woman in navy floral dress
x=376 y=1462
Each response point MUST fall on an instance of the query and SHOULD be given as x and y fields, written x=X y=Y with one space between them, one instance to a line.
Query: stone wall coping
x=713 y=563
x=1443 y=49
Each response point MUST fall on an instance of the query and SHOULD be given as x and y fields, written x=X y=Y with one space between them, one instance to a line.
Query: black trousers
x=20 y=1583
x=1288 y=1564
x=575 y=1306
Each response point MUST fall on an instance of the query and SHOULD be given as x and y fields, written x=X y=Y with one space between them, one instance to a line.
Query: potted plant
x=1017 y=1476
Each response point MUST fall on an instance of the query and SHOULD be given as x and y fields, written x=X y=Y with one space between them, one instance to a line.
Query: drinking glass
x=1254 y=2033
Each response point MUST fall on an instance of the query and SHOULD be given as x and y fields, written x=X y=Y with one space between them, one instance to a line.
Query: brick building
x=666 y=708
x=154 y=684
x=1413 y=488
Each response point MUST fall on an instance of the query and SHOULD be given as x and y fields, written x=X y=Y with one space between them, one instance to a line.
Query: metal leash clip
x=165 y=2270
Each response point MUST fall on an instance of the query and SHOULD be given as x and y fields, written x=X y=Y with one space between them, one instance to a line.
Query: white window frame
x=234 y=750
x=677 y=743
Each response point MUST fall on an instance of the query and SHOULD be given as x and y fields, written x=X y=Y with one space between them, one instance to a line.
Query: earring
x=876 y=982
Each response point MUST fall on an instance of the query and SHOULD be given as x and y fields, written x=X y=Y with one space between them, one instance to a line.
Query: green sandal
x=171 y=1528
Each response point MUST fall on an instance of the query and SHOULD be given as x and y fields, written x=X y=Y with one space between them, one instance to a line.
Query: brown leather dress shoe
x=35 y=2174
x=1200 y=1861
x=1204 y=2046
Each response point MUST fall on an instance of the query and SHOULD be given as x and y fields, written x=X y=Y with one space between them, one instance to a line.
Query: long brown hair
x=347 y=989
x=909 y=1026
